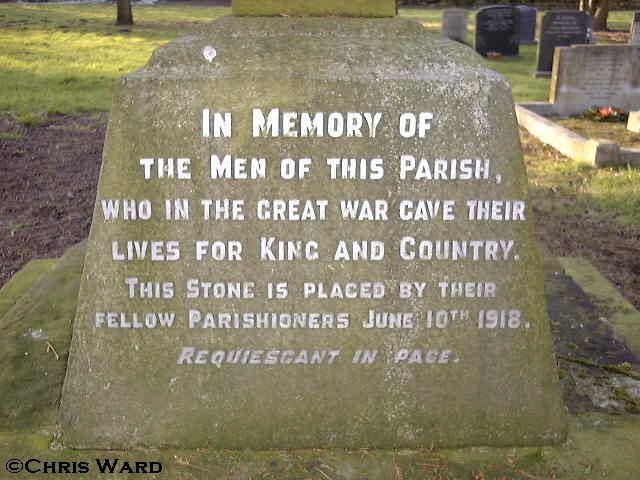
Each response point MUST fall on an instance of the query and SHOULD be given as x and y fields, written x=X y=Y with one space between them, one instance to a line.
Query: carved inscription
x=330 y=299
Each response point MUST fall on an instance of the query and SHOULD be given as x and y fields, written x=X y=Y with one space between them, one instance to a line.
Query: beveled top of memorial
x=293 y=46
x=314 y=8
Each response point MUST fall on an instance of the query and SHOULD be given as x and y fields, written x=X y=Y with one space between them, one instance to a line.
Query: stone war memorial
x=312 y=230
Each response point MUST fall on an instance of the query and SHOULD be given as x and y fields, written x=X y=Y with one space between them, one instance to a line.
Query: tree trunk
x=125 y=14
x=599 y=10
x=601 y=15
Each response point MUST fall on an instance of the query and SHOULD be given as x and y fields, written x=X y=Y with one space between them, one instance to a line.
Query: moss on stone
x=624 y=318
x=600 y=444
x=34 y=344
x=22 y=281
x=314 y=8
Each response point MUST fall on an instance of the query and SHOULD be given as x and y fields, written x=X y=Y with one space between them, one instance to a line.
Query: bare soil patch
x=612 y=248
x=48 y=179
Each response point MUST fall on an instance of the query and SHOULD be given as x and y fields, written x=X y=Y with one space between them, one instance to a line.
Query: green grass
x=64 y=58
x=610 y=194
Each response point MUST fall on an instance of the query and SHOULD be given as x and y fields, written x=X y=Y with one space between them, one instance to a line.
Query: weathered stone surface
x=352 y=8
x=600 y=75
x=454 y=24
x=498 y=30
x=22 y=281
x=561 y=28
x=528 y=18
x=494 y=386
x=36 y=332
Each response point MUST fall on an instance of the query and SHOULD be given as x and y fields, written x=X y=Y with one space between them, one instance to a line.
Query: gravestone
x=497 y=30
x=528 y=19
x=595 y=75
x=454 y=24
x=560 y=28
x=635 y=29
x=312 y=232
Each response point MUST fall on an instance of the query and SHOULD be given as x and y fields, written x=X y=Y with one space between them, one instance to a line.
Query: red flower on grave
x=605 y=112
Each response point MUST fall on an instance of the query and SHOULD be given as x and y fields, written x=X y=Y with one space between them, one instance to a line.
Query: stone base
x=48 y=289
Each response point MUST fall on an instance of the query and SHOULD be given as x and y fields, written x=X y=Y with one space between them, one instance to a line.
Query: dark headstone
x=528 y=17
x=635 y=29
x=497 y=30
x=561 y=28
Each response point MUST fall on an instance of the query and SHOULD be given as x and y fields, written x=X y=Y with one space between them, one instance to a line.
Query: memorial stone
x=312 y=232
x=635 y=29
x=498 y=30
x=560 y=28
x=528 y=19
x=595 y=75
x=454 y=24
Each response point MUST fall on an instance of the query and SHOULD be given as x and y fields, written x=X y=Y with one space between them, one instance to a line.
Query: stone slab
x=595 y=75
x=22 y=280
x=621 y=315
x=560 y=28
x=564 y=140
x=498 y=30
x=483 y=375
x=352 y=8
x=604 y=442
x=601 y=444
x=597 y=152
x=36 y=332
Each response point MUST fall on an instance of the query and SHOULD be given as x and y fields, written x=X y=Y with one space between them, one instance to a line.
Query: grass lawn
x=64 y=58
x=569 y=187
